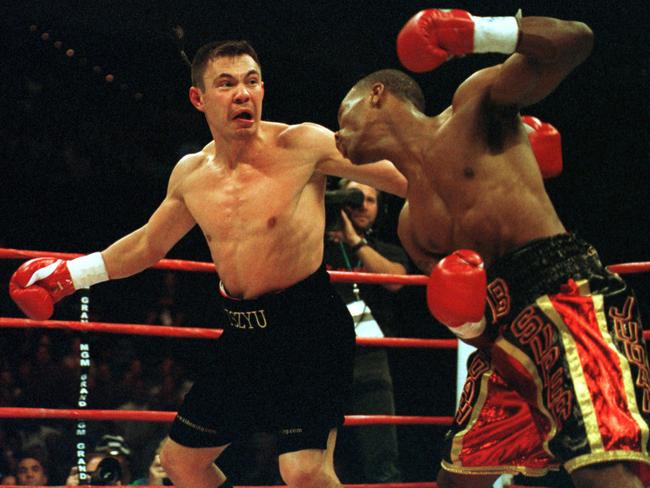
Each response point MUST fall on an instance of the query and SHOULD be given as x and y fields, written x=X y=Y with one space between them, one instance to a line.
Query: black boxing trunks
x=566 y=381
x=283 y=364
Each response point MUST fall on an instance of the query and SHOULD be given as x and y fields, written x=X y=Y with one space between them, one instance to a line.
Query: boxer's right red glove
x=457 y=292
x=39 y=283
x=431 y=36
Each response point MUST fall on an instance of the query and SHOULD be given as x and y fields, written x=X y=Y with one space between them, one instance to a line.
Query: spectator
x=8 y=479
x=352 y=246
x=167 y=310
x=108 y=465
x=98 y=473
x=156 y=475
x=32 y=469
x=115 y=447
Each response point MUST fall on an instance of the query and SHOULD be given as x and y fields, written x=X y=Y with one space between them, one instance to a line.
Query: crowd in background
x=118 y=156
x=61 y=172
x=40 y=368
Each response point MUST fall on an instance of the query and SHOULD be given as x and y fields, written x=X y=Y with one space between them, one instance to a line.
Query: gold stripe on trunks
x=527 y=363
x=498 y=470
x=580 y=387
x=628 y=381
x=457 y=443
x=603 y=457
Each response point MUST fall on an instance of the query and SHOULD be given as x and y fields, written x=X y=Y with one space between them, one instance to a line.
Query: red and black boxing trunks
x=283 y=365
x=566 y=381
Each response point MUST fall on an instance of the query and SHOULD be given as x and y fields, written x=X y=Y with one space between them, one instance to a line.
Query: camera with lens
x=108 y=472
x=335 y=201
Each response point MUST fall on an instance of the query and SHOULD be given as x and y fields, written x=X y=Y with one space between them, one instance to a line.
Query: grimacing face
x=233 y=94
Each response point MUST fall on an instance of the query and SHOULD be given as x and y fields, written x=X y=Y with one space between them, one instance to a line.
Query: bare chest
x=227 y=204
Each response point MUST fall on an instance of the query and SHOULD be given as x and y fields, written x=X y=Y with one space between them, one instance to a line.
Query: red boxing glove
x=431 y=36
x=547 y=145
x=457 y=292
x=39 y=283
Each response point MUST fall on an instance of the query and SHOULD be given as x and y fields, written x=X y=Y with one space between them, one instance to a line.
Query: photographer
x=156 y=476
x=371 y=451
x=107 y=465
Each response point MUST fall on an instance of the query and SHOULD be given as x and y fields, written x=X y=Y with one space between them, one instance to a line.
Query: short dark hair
x=398 y=83
x=34 y=453
x=218 y=49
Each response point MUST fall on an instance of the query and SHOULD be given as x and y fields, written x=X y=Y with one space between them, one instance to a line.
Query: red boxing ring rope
x=200 y=333
x=161 y=416
x=337 y=276
x=205 y=333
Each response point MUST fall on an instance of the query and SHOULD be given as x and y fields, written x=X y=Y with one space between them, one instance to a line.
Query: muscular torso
x=470 y=194
x=262 y=218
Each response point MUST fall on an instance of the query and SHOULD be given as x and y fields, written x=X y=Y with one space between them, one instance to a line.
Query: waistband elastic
x=318 y=280
x=543 y=265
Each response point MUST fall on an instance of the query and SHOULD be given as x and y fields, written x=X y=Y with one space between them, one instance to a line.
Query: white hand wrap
x=495 y=34
x=87 y=270
x=469 y=330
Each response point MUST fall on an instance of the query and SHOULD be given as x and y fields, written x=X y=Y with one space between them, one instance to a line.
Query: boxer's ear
x=377 y=94
x=196 y=98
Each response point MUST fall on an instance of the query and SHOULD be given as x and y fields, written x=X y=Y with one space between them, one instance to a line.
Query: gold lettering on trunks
x=629 y=332
x=532 y=329
x=499 y=298
x=475 y=370
x=254 y=319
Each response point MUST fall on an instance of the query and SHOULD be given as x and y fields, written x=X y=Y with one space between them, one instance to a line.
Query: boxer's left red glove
x=457 y=293
x=547 y=145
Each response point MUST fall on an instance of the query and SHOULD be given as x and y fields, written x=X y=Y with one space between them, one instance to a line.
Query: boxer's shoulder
x=476 y=85
x=305 y=135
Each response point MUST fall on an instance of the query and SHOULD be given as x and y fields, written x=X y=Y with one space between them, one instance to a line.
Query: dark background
x=85 y=161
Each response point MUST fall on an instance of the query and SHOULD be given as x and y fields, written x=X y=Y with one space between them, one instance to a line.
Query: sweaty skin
x=464 y=196
x=473 y=181
x=256 y=191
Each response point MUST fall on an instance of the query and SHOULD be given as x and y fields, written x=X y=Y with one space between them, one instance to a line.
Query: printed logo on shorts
x=468 y=397
x=532 y=330
x=295 y=430
x=499 y=298
x=629 y=332
x=254 y=319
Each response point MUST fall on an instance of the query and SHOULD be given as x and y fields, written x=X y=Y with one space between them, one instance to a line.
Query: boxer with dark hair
x=561 y=375
x=284 y=361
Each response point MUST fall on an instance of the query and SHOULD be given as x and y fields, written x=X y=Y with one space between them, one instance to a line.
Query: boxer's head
x=360 y=117
x=227 y=87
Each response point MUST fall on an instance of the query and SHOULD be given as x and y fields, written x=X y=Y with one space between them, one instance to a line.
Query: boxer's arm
x=39 y=283
x=382 y=175
x=145 y=246
x=547 y=51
